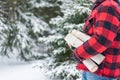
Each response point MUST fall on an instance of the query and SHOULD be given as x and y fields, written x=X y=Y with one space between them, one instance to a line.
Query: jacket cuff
x=77 y=56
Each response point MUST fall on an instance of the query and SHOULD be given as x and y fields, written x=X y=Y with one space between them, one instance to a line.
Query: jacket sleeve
x=105 y=30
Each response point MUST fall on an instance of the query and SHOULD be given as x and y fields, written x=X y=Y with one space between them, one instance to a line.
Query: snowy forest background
x=35 y=30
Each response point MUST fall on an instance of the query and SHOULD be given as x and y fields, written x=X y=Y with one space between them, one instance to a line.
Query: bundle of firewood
x=75 y=39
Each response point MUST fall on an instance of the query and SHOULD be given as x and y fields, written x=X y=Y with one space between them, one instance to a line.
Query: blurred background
x=34 y=30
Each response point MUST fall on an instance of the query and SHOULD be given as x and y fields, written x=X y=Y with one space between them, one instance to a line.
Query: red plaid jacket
x=103 y=24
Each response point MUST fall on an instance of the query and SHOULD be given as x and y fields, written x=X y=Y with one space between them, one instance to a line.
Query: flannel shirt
x=103 y=25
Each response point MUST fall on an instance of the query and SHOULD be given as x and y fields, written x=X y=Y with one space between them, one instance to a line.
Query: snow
x=66 y=69
x=41 y=4
x=13 y=69
x=24 y=71
x=35 y=70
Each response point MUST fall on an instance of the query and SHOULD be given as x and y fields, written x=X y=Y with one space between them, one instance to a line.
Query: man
x=103 y=25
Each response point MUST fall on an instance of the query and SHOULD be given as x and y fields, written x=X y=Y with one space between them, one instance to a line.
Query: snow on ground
x=24 y=71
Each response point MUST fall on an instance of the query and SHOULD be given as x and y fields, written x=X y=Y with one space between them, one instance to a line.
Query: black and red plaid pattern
x=103 y=24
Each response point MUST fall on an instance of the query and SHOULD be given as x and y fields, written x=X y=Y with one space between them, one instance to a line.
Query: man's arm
x=106 y=28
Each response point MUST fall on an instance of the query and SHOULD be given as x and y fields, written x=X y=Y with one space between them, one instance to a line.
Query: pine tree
x=21 y=30
x=32 y=30
x=73 y=18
